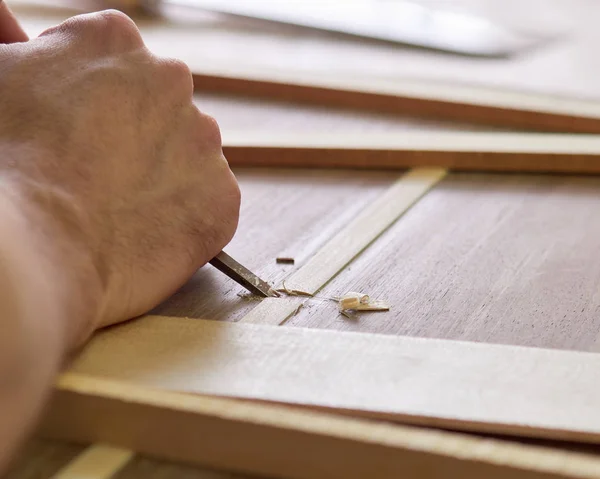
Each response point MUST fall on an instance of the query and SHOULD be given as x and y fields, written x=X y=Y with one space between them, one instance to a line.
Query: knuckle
x=116 y=27
x=210 y=129
x=113 y=19
x=106 y=30
x=178 y=74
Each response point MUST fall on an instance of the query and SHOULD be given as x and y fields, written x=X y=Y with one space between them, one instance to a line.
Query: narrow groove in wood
x=348 y=243
x=99 y=461
x=266 y=439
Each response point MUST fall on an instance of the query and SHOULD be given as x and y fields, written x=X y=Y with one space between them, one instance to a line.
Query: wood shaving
x=285 y=260
x=354 y=301
x=293 y=292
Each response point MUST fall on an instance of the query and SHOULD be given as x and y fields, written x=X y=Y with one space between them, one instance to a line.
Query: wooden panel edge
x=462 y=151
x=485 y=110
x=272 y=440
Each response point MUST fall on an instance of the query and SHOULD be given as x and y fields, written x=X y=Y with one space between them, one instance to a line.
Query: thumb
x=10 y=30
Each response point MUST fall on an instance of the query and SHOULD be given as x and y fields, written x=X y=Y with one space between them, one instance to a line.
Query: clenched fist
x=121 y=177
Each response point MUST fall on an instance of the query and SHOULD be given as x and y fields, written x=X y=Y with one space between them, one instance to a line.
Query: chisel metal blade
x=243 y=276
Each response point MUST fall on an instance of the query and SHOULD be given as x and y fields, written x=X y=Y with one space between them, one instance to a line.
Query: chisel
x=241 y=275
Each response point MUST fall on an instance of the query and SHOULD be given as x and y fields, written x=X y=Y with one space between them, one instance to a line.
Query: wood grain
x=512 y=152
x=266 y=439
x=468 y=386
x=283 y=213
x=492 y=258
x=341 y=249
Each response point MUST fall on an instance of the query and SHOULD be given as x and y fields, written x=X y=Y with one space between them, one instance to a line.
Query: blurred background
x=538 y=46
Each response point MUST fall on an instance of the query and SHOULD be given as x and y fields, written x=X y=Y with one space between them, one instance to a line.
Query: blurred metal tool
x=396 y=21
x=241 y=275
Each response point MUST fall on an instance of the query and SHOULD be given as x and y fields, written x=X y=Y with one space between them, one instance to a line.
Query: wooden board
x=483 y=388
x=284 y=214
x=440 y=100
x=492 y=258
x=346 y=244
x=513 y=152
x=266 y=439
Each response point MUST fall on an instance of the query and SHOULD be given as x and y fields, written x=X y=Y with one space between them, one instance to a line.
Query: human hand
x=10 y=30
x=122 y=176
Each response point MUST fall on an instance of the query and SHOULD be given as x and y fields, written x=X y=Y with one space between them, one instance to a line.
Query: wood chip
x=285 y=260
x=354 y=301
x=293 y=292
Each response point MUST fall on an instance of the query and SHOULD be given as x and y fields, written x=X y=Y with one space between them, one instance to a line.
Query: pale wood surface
x=460 y=385
x=464 y=150
x=276 y=441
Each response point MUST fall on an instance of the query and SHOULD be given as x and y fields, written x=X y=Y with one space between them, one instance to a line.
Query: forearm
x=33 y=325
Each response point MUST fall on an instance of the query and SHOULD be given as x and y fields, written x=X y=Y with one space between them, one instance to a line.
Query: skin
x=113 y=192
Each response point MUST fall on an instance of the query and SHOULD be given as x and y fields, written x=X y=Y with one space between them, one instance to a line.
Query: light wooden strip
x=284 y=442
x=96 y=462
x=348 y=243
x=460 y=385
x=514 y=152
x=426 y=99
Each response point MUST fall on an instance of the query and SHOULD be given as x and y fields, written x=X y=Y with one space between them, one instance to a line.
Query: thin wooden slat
x=347 y=243
x=419 y=99
x=479 y=151
x=99 y=461
x=468 y=386
x=284 y=442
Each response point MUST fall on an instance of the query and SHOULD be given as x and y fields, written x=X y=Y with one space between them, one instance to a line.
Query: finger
x=10 y=29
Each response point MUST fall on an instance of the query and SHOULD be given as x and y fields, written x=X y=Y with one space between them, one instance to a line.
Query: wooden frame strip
x=442 y=101
x=99 y=461
x=347 y=244
x=511 y=152
x=459 y=385
x=284 y=442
